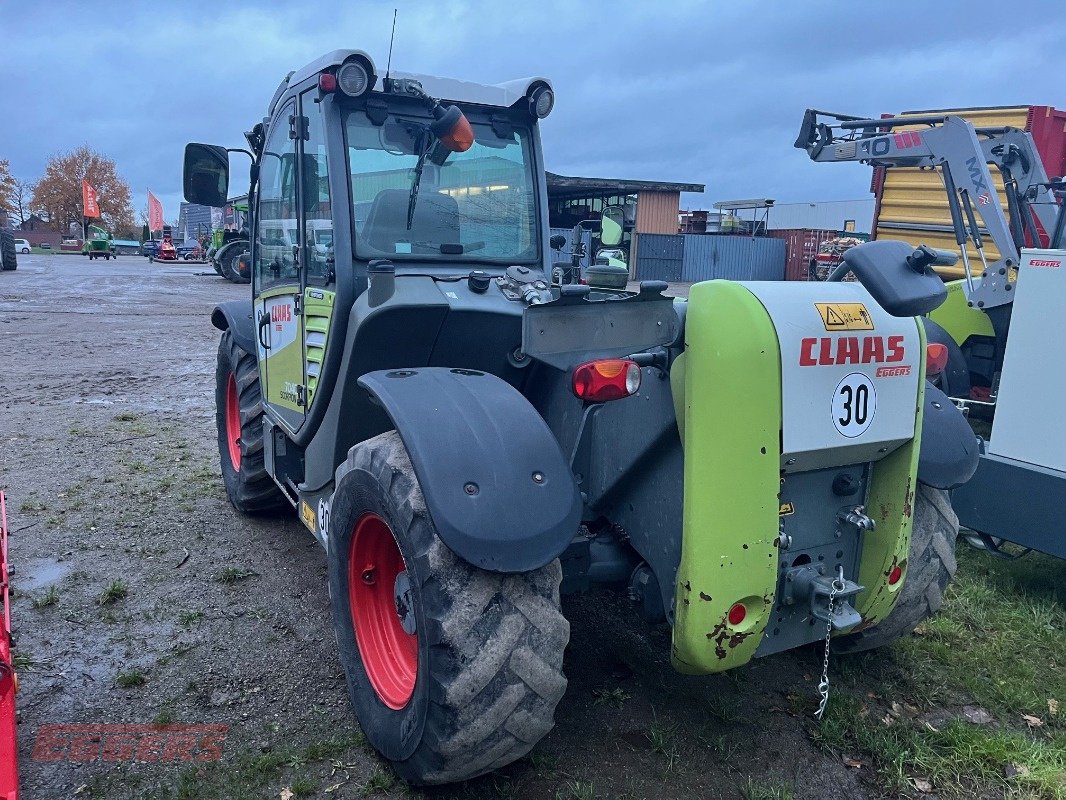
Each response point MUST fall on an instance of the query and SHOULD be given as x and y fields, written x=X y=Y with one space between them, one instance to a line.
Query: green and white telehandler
x=468 y=441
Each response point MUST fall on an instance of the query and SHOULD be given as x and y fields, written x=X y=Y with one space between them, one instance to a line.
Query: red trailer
x=9 y=779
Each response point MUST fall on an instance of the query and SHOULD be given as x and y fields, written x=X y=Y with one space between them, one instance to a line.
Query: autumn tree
x=7 y=184
x=58 y=192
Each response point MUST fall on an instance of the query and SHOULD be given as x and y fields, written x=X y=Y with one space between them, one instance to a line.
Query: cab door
x=276 y=275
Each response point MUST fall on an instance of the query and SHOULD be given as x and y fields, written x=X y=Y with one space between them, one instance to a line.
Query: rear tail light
x=737 y=614
x=936 y=358
x=895 y=574
x=608 y=379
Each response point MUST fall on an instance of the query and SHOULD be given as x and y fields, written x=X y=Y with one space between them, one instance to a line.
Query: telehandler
x=468 y=441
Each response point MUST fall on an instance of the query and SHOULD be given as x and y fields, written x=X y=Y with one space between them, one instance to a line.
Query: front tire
x=453 y=671
x=239 y=418
x=930 y=567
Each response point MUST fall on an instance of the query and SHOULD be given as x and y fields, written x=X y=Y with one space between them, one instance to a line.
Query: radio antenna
x=392 y=39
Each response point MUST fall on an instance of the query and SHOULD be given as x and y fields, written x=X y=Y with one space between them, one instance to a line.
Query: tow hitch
x=810 y=584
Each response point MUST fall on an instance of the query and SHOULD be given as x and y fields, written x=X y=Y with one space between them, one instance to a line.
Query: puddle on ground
x=37 y=573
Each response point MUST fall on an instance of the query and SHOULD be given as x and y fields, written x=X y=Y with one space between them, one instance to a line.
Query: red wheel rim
x=233 y=422
x=389 y=653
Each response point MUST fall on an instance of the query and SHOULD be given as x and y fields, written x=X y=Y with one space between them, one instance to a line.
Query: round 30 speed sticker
x=854 y=405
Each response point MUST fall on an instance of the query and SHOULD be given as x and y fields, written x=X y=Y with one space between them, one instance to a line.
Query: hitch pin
x=858 y=517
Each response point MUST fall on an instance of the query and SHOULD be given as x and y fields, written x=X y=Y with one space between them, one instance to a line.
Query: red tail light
x=895 y=574
x=608 y=379
x=737 y=614
x=327 y=82
x=936 y=358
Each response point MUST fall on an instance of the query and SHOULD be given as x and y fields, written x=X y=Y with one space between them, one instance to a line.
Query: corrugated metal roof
x=657 y=212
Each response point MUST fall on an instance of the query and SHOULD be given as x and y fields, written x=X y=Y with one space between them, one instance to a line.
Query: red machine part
x=9 y=779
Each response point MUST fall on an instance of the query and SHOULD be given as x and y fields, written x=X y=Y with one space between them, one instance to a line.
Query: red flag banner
x=155 y=213
x=88 y=200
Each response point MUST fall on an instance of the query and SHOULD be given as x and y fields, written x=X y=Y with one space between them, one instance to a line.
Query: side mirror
x=206 y=174
x=557 y=241
x=612 y=224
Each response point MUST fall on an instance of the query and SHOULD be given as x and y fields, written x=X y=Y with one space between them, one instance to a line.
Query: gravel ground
x=141 y=596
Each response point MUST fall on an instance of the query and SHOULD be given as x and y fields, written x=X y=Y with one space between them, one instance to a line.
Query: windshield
x=477 y=205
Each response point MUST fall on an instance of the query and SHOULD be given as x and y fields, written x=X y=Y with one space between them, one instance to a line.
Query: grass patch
x=231 y=575
x=999 y=643
x=49 y=598
x=187 y=618
x=663 y=740
x=131 y=678
x=380 y=780
x=115 y=591
x=576 y=790
x=765 y=790
x=614 y=697
x=250 y=774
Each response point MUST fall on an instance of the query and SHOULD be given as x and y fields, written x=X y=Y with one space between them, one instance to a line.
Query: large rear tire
x=930 y=567
x=8 y=259
x=228 y=264
x=452 y=671
x=239 y=417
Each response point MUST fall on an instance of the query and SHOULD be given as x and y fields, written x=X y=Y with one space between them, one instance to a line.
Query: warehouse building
x=651 y=207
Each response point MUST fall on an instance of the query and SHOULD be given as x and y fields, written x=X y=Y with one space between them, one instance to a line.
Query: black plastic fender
x=956 y=376
x=950 y=449
x=496 y=483
x=236 y=317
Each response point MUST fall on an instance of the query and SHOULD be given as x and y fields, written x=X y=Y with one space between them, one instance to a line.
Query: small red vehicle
x=9 y=779
x=167 y=251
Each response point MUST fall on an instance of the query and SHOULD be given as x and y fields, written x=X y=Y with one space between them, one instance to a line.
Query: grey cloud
x=702 y=92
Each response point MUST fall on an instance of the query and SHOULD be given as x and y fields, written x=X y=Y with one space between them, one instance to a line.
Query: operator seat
x=436 y=222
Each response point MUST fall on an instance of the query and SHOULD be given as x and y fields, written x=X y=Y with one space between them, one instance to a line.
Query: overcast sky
x=708 y=93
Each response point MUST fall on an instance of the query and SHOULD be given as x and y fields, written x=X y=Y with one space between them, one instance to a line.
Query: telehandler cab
x=467 y=441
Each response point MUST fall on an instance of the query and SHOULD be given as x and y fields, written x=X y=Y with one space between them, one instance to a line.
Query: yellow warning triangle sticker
x=832 y=318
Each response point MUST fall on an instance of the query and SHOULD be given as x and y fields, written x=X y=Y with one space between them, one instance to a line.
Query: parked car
x=149 y=247
x=45 y=246
x=22 y=246
x=190 y=250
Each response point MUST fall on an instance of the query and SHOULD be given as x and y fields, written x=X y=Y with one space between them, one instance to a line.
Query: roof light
x=607 y=379
x=327 y=82
x=354 y=78
x=541 y=102
x=936 y=358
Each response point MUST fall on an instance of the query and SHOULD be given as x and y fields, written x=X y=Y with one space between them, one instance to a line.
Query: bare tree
x=21 y=193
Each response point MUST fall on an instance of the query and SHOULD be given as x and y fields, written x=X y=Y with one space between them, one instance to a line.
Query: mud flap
x=732 y=425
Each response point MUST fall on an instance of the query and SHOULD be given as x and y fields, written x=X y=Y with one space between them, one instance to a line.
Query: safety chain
x=823 y=685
